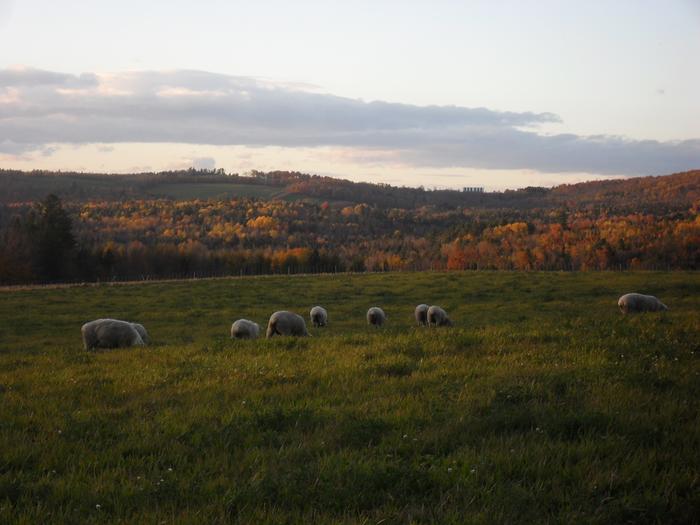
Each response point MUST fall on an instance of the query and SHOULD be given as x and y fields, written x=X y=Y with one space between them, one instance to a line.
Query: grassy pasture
x=211 y=190
x=542 y=404
x=82 y=187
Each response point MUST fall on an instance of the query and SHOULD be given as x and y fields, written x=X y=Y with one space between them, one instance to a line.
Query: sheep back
x=110 y=333
x=421 y=314
x=319 y=316
x=286 y=323
x=376 y=316
x=142 y=332
x=438 y=317
x=245 y=329
x=637 y=302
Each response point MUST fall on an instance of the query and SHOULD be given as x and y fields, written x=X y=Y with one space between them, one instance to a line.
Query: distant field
x=542 y=404
x=86 y=187
x=37 y=187
x=203 y=190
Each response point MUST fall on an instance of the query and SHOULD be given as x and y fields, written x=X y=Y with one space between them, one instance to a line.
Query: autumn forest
x=58 y=227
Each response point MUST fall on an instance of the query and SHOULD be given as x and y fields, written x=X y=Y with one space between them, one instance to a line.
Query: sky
x=500 y=94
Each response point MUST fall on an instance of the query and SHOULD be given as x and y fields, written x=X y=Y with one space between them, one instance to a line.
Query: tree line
x=655 y=195
x=52 y=241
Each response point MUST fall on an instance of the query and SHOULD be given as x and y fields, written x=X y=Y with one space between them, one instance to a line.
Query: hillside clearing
x=542 y=404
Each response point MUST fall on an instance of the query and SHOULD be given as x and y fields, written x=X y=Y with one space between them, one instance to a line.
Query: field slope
x=542 y=404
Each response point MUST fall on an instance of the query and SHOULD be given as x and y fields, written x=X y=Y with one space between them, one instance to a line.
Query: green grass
x=542 y=404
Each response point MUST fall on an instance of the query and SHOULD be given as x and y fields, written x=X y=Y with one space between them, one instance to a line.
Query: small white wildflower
x=170 y=469
x=405 y=436
x=98 y=506
x=473 y=471
x=449 y=469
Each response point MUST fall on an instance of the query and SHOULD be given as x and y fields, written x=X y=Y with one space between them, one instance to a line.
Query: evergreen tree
x=51 y=229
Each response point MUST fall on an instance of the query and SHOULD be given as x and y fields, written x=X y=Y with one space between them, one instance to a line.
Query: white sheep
x=142 y=332
x=421 y=314
x=286 y=323
x=319 y=316
x=376 y=316
x=438 y=317
x=245 y=329
x=110 y=333
x=637 y=302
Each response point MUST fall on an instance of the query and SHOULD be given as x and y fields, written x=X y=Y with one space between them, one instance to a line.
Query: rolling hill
x=668 y=192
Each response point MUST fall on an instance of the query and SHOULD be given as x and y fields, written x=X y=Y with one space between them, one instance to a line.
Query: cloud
x=194 y=107
x=204 y=163
x=22 y=149
x=139 y=169
x=200 y=163
x=22 y=76
x=516 y=149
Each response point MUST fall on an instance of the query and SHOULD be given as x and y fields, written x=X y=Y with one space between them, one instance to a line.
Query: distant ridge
x=667 y=191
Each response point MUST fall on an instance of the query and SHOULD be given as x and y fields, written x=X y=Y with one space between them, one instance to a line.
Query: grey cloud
x=40 y=77
x=218 y=100
x=23 y=149
x=204 y=163
x=47 y=151
x=17 y=148
x=197 y=107
x=514 y=149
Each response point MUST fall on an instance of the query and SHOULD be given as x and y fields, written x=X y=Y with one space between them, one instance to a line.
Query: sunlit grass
x=542 y=404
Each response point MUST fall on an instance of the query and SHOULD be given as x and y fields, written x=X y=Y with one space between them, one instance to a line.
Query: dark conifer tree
x=51 y=230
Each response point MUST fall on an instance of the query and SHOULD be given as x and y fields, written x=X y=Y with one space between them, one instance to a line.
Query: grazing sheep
x=286 y=323
x=376 y=316
x=421 y=314
x=319 y=316
x=637 y=302
x=438 y=317
x=245 y=329
x=142 y=332
x=110 y=333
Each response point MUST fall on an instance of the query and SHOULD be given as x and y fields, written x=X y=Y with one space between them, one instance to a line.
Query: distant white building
x=473 y=189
